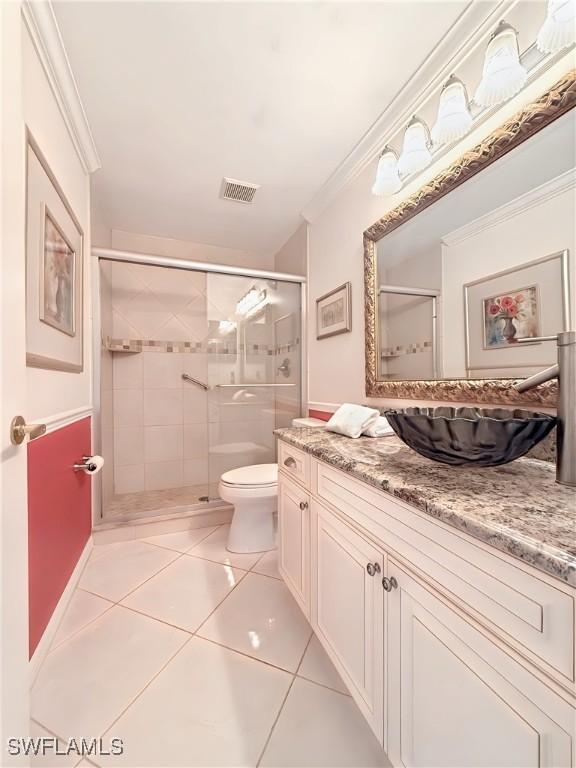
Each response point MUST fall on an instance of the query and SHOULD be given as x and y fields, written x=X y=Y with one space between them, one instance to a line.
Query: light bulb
x=503 y=74
x=416 y=148
x=559 y=28
x=387 y=181
x=454 y=119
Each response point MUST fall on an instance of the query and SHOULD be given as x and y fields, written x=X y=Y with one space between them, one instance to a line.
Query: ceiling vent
x=239 y=191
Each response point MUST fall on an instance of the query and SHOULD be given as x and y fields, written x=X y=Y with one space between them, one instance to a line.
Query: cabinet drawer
x=295 y=463
x=528 y=613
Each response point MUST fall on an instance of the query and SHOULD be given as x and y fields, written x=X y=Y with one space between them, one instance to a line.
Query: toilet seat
x=251 y=477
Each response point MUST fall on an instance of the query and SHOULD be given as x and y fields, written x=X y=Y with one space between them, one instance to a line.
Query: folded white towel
x=352 y=420
x=380 y=428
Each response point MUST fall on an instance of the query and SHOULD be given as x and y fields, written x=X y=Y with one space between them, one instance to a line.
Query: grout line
x=304 y=654
x=243 y=653
x=280 y=710
x=84 y=626
x=145 y=539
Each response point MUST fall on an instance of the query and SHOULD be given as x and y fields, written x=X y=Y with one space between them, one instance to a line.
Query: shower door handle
x=187 y=377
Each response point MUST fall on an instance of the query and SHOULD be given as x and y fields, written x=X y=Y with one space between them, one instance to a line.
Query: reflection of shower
x=390 y=351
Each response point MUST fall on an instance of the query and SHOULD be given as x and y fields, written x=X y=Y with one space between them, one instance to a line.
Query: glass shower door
x=254 y=369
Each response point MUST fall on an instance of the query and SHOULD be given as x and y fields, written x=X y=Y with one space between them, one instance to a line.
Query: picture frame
x=334 y=312
x=54 y=271
x=530 y=300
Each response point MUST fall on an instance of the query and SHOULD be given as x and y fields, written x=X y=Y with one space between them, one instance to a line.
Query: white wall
x=336 y=364
x=54 y=392
x=532 y=234
x=183 y=249
x=292 y=258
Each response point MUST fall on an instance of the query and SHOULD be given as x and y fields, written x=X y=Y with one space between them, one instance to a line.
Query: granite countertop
x=517 y=508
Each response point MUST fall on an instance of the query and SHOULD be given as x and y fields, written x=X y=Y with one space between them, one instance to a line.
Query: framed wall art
x=334 y=312
x=54 y=273
x=527 y=301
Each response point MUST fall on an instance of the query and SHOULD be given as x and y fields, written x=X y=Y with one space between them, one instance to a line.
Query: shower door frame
x=133 y=257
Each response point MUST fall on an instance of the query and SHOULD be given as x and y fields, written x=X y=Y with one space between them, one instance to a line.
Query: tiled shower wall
x=167 y=432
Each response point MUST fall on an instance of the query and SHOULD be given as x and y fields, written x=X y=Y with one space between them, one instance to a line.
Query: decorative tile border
x=211 y=347
x=410 y=349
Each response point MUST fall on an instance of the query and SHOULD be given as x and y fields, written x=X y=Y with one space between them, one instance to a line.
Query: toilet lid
x=254 y=475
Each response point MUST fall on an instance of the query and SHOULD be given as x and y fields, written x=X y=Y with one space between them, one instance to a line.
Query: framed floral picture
x=54 y=271
x=511 y=316
x=524 y=302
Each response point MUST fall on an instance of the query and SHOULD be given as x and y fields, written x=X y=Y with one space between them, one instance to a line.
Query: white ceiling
x=180 y=94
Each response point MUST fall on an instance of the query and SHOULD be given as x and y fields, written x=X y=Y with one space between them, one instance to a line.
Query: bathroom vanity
x=444 y=596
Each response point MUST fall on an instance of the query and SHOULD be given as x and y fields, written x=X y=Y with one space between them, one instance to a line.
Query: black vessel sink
x=484 y=437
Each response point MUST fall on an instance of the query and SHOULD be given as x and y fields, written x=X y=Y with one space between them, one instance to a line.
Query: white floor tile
x=85 y=683
x=268 y=565
x=82 y=609
x=316 y=666
x=209 y=707
x=122 y=567
x=214 y=548
x=318 y=727
x=50 y=759
x=186 y=592
x=260 y=618
x=181 y=541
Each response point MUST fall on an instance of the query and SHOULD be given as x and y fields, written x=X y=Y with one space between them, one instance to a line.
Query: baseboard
x=50 y=632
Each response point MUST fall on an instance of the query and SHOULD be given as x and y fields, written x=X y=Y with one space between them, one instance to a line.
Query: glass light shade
x=559 y=28
x=416 y=148
x=387 y=179
x=454 y=119
x=503 y=75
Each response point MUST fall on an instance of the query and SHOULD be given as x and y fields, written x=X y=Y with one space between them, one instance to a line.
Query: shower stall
x=196 y=365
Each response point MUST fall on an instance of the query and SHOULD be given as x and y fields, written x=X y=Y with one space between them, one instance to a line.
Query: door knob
x=389 y=583
x=19 y=429
x=373 y=568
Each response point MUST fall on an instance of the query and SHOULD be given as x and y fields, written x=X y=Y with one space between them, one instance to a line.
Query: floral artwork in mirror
x=476 y=259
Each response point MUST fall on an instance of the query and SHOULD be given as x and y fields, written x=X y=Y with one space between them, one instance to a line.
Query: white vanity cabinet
x=455 y=699
x=456 y=654
x=348 y=610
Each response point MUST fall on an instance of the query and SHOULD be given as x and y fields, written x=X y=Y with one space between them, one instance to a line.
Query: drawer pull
x=303 y=505
x=290 y=462
x=389 y=583
x=373 y=568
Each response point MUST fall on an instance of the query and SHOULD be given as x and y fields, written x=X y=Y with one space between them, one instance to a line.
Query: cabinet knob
x=303 y=505
x=290 y=462
x=373 y=568
x=389 y=583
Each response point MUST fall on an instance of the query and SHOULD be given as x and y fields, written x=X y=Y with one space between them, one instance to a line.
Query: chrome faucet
x=565 y=372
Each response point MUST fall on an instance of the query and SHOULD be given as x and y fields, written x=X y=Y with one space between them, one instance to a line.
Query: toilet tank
x=308 y=422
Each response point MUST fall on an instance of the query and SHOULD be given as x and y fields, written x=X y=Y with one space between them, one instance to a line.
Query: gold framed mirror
x=456 y=273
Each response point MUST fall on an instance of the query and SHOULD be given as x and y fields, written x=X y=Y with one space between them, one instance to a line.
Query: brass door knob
x=19 y=429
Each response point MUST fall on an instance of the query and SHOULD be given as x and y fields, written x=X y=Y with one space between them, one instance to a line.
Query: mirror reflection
x=489 y=264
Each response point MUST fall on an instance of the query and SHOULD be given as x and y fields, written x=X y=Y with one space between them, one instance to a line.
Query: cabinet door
x=294 y=541
x=455 y=698
x=348 y=610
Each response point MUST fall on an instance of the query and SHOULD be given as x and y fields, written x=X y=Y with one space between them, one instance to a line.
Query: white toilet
x=253 y=491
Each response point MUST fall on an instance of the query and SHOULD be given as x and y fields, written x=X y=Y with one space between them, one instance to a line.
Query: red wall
x=59 y=518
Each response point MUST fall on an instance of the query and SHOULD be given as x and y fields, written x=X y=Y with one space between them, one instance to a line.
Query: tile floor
x=194 y=656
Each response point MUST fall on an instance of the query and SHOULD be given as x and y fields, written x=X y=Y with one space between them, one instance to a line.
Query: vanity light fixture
x=253 y=300
x=559 y=28
x=454 y=119
x=416 y=153
x=387 y=180
x=226 y=326
x=503 y=74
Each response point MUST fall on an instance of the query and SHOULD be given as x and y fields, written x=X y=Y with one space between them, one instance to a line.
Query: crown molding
x=43 y=27
x=547 y=191
x=470 y=29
